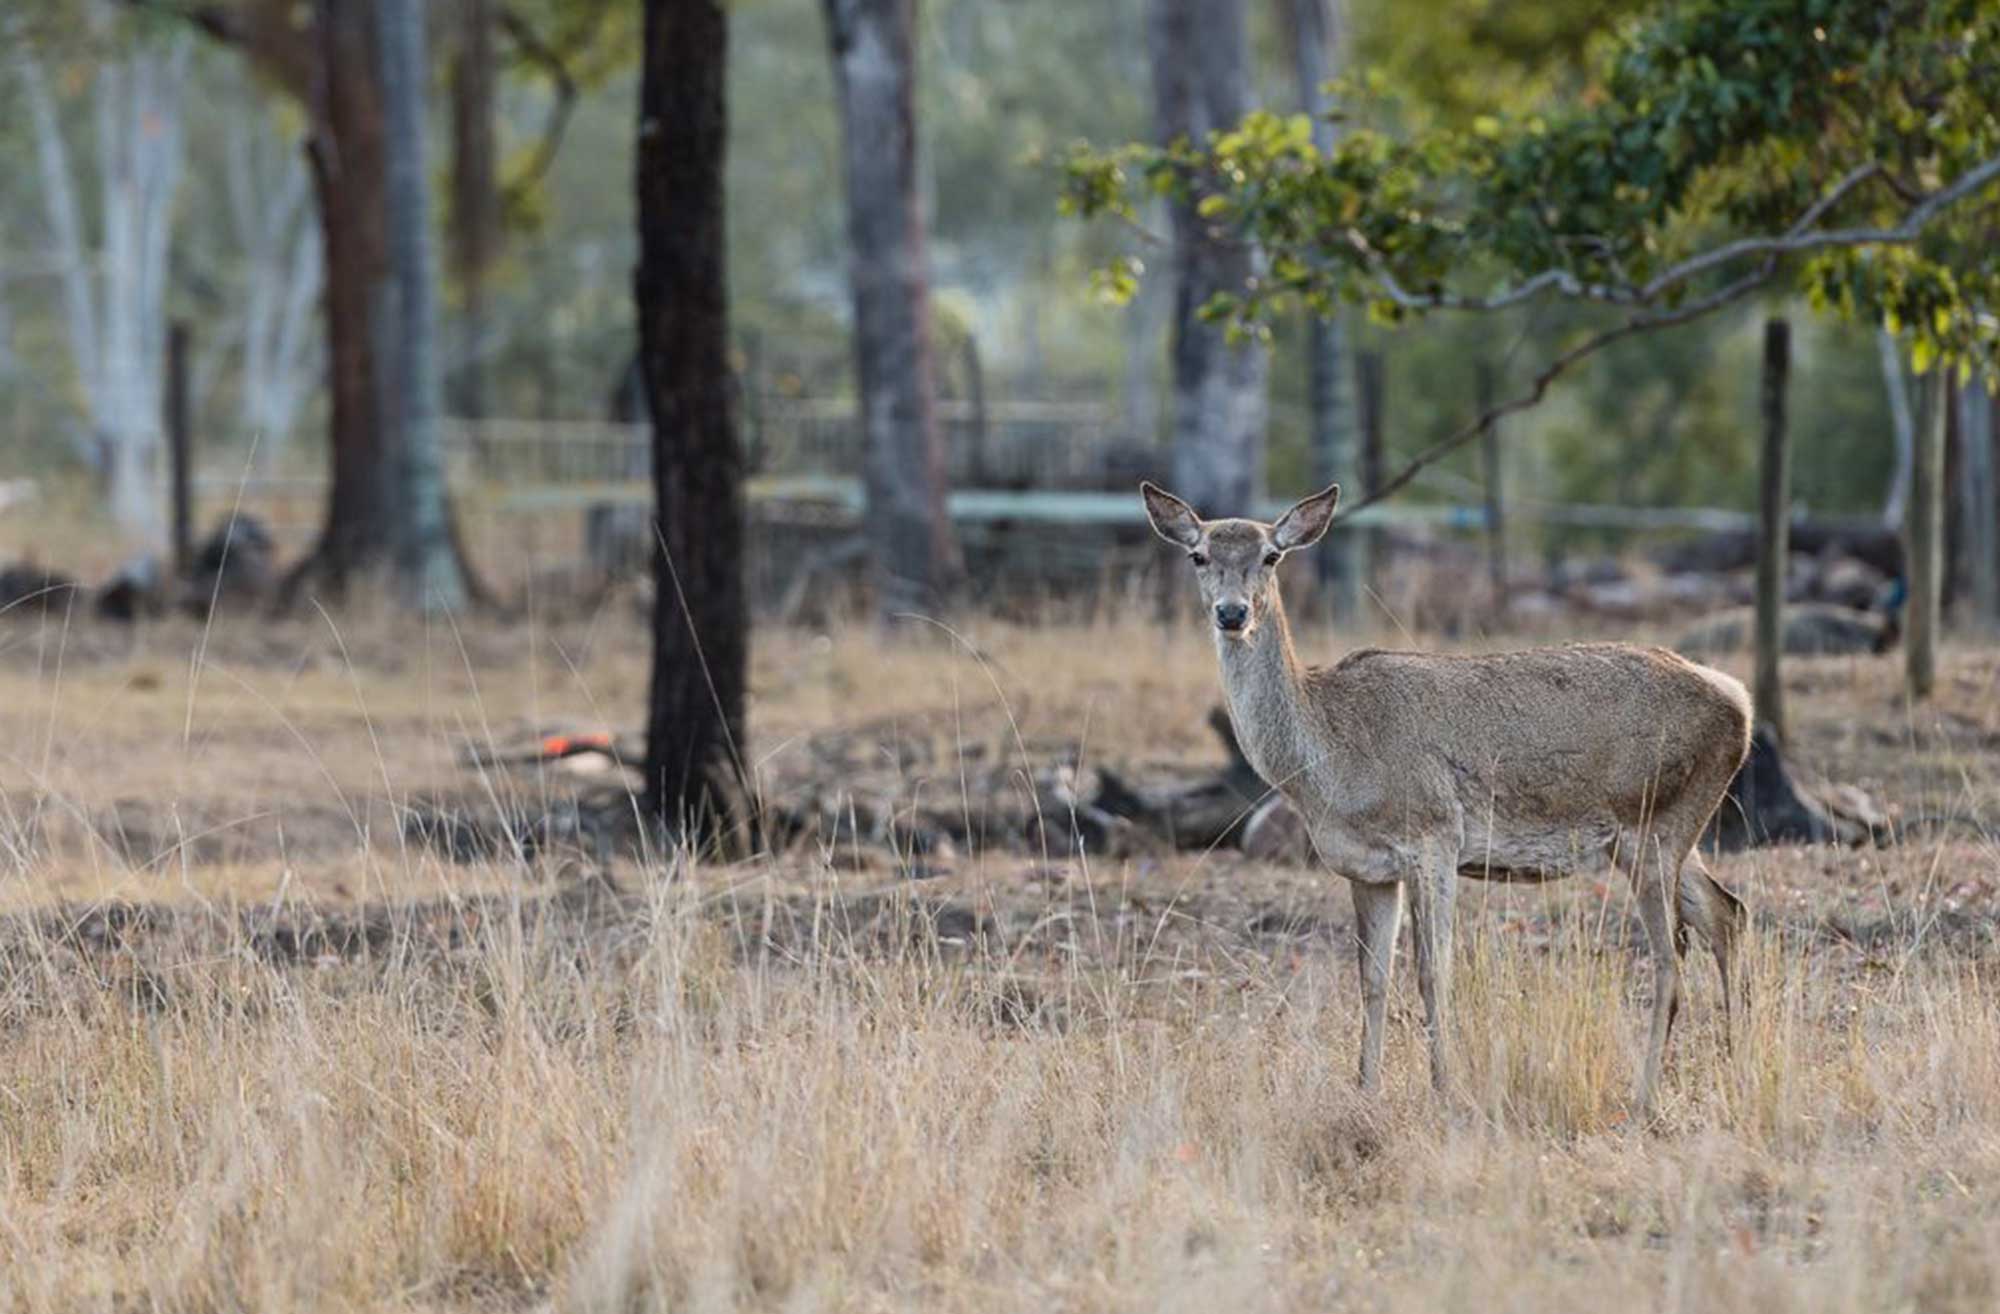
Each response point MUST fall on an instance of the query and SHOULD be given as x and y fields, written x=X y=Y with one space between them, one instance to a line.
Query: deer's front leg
x=1433 y=891
x=1378 y=909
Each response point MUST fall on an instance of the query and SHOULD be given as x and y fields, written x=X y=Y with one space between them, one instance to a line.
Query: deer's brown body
x=1411 y=769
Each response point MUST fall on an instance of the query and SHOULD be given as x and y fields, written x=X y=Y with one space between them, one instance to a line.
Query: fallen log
x=1736 y=549
x=31 y=590
x=1810 y=630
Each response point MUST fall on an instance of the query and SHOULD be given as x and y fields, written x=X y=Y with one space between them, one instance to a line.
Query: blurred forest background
x=150 y=172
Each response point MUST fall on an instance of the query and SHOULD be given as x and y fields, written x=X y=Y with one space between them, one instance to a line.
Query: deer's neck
x=1264 y=686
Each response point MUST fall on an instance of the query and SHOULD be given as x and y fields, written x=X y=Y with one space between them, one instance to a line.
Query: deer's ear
x=1303 y=525
x=1173 y=519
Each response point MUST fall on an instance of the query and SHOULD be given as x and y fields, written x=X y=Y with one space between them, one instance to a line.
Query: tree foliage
x=1848 y=150
x=1449 y=61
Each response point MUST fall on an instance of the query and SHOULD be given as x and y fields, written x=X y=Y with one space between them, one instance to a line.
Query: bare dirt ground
x=265 y=1043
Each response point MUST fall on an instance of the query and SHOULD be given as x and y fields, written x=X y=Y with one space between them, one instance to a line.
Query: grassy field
x=258 y=1050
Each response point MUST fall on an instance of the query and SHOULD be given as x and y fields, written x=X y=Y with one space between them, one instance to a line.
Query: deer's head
x=1236 y=561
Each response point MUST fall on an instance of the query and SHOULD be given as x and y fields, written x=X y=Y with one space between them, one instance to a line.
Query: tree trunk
x=347 y=152
x=179 y=421
x=114 y=297
x=1496 y=521
x=1369 y=401
x=133 y=486
x=1774 y=522
x=330 y=65
x=910 y=540
x=1319 y=54
x=273 y=225
x=427 y=571
x=1201 y=85
x=976 y=429
x=1923 y=550
x=1954 y=501
x=1902 y=428
x=694 y=732
x=475 y=196
x=1981 y=505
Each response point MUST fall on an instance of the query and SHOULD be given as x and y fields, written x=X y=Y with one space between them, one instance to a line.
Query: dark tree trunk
x=913 y=553
x=1368 y=415
x=1774 y=518
x=1923 y=543
x=1201 y=84
x=349 y=179
x=975 y=399
x=180 y=445
x=1954 y=502
x=694 y=729
x=1496 y=505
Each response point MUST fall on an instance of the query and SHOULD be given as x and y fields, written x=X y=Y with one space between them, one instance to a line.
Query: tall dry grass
x=636 y=1111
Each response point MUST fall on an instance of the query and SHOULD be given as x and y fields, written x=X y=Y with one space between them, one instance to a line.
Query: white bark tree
x=114 y=273
x=427 y=568
x=913 y=551
x=271 y=214
x=1201 y=84
x=1902 y=427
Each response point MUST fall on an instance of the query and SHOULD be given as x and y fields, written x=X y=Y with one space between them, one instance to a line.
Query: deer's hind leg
x=1655 y=871
x=1433 y=892
x=1719 y=915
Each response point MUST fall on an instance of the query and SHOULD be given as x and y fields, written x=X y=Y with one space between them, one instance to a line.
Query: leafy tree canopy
x=1849 y=149
x=1448 y=61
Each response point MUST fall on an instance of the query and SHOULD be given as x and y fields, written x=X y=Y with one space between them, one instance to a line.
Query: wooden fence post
x=1774 y=529
x=180 y=445
x=1496 y=525
x=752 y=395
x=1951 y=490
x=1923 y=543
x=1368 y=414
x=1981 y=501
x=977 y=428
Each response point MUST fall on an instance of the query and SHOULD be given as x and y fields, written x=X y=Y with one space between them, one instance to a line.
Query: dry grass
x=1019 y=1085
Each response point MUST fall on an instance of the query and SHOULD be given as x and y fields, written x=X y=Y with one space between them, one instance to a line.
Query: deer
x=1413 y=769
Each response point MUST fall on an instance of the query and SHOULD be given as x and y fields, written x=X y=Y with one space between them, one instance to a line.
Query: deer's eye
x=1271 y=558
x=1199 y=558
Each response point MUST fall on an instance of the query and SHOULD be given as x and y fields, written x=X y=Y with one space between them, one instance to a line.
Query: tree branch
x=1641 y=323
x=531 y=46
x=1797 y=239
x=1562 y=280
x=262 y=29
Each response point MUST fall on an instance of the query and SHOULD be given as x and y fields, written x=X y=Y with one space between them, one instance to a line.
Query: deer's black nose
x=1231 y=615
